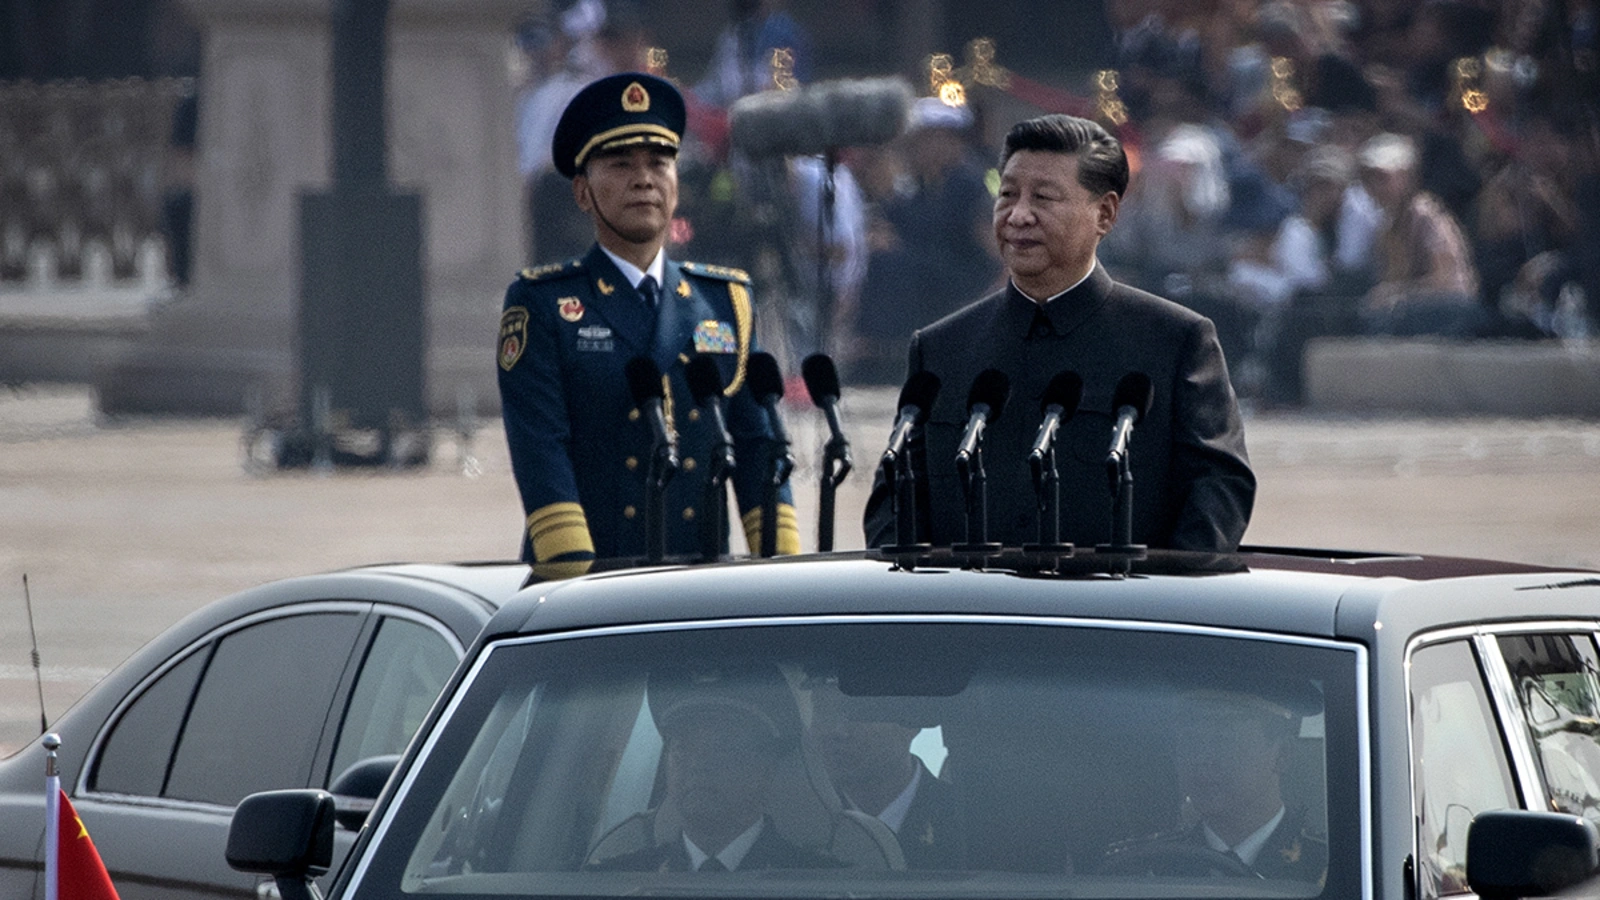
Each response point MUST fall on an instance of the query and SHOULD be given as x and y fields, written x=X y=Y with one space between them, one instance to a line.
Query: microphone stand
x=835 y=466
x=1120 y=471
x=662 y=468
x=713 y=525
x=974 y=486
x=1047 y=489
x=779 y=467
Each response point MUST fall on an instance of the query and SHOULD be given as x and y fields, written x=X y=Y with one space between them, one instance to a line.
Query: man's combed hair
x=1102 y=164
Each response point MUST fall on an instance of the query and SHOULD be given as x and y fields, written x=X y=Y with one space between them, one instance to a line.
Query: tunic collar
x=1061 y=314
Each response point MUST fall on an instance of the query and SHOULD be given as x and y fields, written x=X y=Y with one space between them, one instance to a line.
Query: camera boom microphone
x=816 y=118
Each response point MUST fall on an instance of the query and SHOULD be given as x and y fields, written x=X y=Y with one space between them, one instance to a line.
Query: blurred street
x=123 y=527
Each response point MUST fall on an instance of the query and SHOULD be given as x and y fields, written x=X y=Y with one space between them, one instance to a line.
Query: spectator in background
x=1426 y=281
x=743 y=60
x=931 y=240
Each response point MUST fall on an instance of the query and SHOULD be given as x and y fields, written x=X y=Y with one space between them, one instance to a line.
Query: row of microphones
x=765 y=382
x=986 y=400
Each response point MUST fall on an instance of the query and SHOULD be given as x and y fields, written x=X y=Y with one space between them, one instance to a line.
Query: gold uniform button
x=631 y=462
x=688 y=514
x=633 y=415
x=689 y=464
x=629 y=512
x=694 y=415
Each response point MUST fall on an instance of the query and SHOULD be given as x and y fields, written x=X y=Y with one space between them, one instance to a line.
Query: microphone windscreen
x=862 y=112
x=761 y=373
x=775 y=123
x=1136 y=391
x=822 y=379
x=1064 y=390
x=705 y=379
x=919 y=391
x=991 y=388
x=644 y=380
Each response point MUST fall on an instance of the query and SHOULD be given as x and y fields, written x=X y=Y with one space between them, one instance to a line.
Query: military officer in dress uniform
x=1231 y=748
x=579 y=447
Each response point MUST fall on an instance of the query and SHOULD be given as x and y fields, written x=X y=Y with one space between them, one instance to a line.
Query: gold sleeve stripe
x=558 y=530
x=742 y=321
x=788 y=530
x=558 y=571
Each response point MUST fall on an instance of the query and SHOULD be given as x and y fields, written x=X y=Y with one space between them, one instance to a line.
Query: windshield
x=892 y=758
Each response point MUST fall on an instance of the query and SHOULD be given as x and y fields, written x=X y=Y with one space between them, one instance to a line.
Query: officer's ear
x=581 y=194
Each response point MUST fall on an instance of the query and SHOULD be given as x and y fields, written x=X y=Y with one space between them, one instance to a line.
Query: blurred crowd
x=1302 y=168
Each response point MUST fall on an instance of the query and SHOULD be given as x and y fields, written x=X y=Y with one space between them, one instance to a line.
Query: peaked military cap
x=617 y=111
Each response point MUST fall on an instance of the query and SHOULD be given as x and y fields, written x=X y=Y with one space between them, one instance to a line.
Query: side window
x=1557 y=687
x=406 y=667
x=135 y=757
x=1458 y=759
x=261 y=708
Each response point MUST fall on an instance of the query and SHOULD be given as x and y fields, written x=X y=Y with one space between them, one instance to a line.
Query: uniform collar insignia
x=683 y=288
x=605 y=288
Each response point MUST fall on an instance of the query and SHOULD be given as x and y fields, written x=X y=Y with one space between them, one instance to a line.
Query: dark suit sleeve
x=533 y=404
x=1213 y=486
x=877 y=521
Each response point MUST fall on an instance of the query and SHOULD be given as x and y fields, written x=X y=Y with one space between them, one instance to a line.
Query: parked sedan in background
x=292 y=684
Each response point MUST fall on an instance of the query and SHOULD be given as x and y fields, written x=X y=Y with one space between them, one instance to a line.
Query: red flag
x=82 y=876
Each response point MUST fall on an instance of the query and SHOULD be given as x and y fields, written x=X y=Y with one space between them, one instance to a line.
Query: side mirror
x=357 y=788
x=1522 y=853
x=285 y=834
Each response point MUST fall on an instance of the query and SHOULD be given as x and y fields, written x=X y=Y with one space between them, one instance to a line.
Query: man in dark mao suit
x=1062 y=181
x=580 y=449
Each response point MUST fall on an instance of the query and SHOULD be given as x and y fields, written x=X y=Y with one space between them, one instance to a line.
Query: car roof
x=1291 y=591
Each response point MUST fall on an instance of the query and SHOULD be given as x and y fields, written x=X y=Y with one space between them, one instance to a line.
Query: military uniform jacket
x=1192 y=484
x=579 y=448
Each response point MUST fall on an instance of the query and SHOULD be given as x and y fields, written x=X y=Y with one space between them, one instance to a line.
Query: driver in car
x=725 y=733
x=1231 y=751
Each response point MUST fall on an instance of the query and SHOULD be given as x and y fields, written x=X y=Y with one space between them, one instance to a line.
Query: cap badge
x=570 y=308
x=635 y=98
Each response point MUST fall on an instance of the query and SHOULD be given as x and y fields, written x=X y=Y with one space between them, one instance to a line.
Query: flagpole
x=52 y=811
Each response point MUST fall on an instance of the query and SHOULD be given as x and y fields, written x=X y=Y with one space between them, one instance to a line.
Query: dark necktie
x=712 y=864
x=650 y=291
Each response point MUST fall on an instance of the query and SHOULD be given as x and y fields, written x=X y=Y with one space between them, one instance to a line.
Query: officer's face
x=1048 y=225
x=631 y=193
x=718 y=766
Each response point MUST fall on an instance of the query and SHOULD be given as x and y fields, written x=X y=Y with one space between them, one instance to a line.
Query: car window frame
x=1509 y=720
x=352 y=875
x=367 y=610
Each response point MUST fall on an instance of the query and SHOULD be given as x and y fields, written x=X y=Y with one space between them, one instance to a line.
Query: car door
x=265 y=703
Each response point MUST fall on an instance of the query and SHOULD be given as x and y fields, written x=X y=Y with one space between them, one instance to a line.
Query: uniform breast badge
x=570 y=308
x=712 y=336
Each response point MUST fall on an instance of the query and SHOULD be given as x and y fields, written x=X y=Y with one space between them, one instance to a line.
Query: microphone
x=985 y=401
x=822 y=383
x=815 y=118
x=1131 y=401
x=705 y=383
x=766 y=384
x=1059 y=403
x=916 y=399
x=644 y=383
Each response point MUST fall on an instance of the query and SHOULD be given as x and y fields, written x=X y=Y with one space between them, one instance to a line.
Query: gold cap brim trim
x=625 y=135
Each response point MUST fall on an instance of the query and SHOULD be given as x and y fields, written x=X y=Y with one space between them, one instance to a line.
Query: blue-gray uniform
x=579 y=447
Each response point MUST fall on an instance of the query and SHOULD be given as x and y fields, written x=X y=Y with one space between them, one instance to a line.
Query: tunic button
x=689 y=464
x=633 y=415
x=694 y=415
x=629 y=512
x=688 y=514
x=631 y=462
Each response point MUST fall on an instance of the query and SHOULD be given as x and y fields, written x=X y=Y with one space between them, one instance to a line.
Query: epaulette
x=552 y=270
x=724 y=273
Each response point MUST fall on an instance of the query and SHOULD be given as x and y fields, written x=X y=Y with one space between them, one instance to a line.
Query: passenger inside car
x=725 y=732
x=868 y=752
x=1232 y=744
